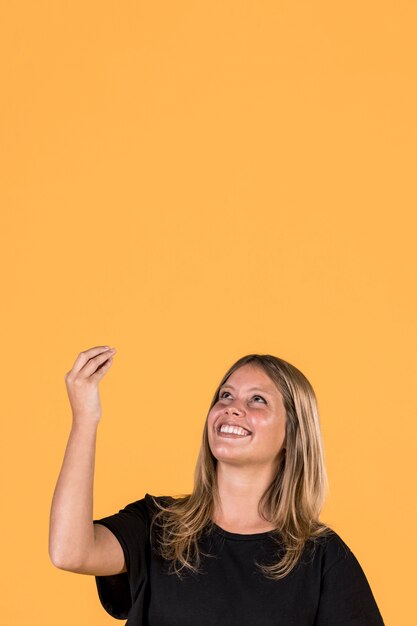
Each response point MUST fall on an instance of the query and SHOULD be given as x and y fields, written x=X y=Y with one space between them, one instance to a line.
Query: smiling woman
x=246 y=546
x=274 y=478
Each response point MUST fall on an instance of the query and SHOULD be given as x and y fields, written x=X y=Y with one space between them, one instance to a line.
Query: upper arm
x=107 y=556
x=119 y=543
x=346 y=596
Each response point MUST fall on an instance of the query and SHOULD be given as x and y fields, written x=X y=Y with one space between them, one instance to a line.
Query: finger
x=92 y=364
x=99 y=373
x=83 y=357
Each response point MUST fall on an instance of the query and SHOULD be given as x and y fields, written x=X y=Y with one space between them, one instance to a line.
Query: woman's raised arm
x=72 y=536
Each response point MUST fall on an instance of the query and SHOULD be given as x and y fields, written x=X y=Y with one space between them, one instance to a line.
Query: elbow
x=56 y=561
x=61 y=562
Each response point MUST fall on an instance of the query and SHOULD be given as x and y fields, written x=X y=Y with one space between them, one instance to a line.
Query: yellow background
x=191 y=182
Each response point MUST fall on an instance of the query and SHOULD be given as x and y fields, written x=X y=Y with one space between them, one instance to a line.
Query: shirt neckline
x=241 y=536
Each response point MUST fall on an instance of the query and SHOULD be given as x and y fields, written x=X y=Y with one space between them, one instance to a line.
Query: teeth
x=236 y=430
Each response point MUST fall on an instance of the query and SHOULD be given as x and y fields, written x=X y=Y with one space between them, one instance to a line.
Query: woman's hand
x=83 y=379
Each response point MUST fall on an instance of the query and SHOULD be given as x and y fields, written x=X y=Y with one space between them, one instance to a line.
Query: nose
x=233 y=410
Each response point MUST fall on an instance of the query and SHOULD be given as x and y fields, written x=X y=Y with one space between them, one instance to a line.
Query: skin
x=246 y=466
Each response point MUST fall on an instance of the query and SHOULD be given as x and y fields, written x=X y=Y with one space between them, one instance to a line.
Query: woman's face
x=251 y=400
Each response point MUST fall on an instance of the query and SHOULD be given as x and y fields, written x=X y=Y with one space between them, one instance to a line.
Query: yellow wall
x=191 y=182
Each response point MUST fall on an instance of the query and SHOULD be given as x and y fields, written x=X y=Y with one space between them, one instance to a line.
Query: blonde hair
x=292 y=502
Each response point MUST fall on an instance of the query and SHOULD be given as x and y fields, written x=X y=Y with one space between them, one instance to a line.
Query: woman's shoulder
x=329 y=548
x=152 y=502
x=346 y=594
x=143 y=508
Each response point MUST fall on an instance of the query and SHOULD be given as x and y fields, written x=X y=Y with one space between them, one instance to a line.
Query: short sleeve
x=346 y=597
x=130 y=525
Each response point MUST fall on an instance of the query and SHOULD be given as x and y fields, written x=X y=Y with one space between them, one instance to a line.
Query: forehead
x=250 y=377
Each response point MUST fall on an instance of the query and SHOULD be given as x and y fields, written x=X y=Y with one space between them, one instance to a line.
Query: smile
x=232 y=431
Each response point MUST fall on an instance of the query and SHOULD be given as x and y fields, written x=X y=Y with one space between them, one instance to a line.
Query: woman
x=246 y=547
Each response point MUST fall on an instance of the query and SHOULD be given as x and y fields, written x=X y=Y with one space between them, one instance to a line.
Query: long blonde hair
x=292 y=502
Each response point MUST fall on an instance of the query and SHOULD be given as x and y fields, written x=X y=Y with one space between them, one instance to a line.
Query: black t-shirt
x=327 y=587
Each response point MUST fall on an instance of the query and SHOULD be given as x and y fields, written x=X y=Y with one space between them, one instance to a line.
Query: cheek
x=211 y=418
x=279 y=432
x=214 y=413
x=273 y=430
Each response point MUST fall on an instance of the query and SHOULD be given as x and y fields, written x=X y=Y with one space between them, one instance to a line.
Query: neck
x=240 y=489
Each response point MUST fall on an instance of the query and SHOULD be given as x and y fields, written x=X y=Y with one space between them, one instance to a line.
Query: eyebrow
x=251 y=389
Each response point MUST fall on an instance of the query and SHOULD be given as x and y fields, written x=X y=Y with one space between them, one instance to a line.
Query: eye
x=261 y=398
x=222 y=395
